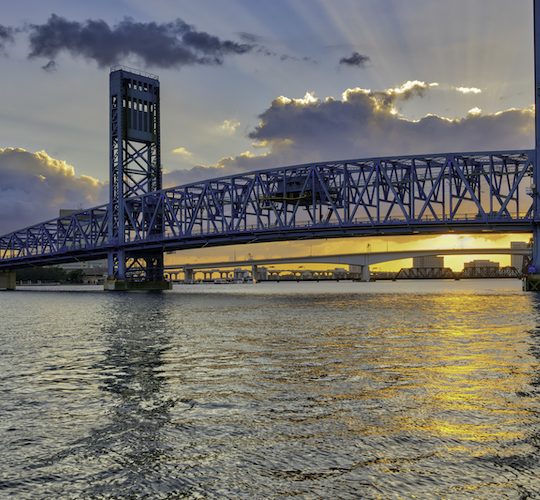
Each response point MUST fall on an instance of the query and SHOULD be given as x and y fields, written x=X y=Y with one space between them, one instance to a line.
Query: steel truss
x=79 y=235
x=399 y=194
x=490 y=272
x=466 y=192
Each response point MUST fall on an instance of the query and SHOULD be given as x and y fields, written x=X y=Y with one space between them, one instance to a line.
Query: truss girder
x=86 y=230
x=488 y=190
x=440 y=189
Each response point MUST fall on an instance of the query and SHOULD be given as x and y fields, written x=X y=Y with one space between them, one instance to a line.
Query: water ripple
x=265 y=395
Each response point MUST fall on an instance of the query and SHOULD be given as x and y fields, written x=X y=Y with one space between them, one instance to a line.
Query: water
x=329 y=390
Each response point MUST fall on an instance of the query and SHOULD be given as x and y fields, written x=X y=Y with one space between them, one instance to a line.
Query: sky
x=248 y=85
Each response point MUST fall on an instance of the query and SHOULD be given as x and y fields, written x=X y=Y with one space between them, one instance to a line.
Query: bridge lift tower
x=135 y=169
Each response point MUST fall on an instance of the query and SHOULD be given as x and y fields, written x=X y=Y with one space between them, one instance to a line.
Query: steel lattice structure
x=135 y=166
x=465 y=192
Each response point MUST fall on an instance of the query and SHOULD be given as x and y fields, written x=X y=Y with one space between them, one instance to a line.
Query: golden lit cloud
x=364 y=123
x=410 y=86
x=182 y=151
x=468 y=90
x=35 y=186
x=476 y=111
x=308 y=99
x=229 y=126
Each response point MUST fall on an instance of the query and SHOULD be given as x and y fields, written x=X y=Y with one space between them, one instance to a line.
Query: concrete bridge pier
x=117 y=280
x=8 y=280
x=189 y=276
x=115 y=285
x=366 y=276
x=531 y=282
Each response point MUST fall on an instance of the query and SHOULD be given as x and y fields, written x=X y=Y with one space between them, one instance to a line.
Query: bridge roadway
x=364 y=260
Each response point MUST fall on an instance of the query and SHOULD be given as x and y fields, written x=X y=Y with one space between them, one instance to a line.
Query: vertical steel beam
x=536 y=175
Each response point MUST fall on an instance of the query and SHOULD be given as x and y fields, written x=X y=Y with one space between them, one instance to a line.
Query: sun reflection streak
x=449 y=379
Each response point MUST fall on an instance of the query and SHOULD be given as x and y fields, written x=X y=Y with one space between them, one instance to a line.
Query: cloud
x=249 y=37
x=364 y=123
x=355 y=59
x=50 y=67
x=35 y=186
x=6 y=36
x=468 y=90
x=229 y=126
x=182 y=151
x=162 y=45
x=260 y=48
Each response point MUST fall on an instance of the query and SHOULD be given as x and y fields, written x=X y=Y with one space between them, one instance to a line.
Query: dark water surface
x=347 y=390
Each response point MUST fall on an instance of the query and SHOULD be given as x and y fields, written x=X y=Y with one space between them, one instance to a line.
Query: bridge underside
x=217 y=240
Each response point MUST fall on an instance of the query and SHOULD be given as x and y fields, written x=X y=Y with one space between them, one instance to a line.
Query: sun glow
x=359 y=245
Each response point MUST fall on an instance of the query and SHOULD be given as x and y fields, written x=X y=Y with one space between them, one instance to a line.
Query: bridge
x=465 y=192
x=362 y=260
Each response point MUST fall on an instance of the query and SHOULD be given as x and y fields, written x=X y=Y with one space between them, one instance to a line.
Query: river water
x=312 y=390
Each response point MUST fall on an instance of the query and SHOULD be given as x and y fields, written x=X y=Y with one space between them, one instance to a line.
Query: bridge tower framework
x=135 y=169
x=532 y=281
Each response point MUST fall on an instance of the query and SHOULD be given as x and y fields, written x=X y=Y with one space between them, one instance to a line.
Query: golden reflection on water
x=332 y=395
x=448 y=378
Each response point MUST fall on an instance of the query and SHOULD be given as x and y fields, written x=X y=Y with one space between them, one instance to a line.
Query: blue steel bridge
x=469 y=192
x=465 y=193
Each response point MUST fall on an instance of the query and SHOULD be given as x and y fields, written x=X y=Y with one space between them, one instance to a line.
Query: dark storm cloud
x=6 y=36
x=355 y=59
x=163 y=45
x=364 y=124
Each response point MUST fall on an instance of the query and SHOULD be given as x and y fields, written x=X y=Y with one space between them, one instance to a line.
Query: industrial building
x=481 y=263
x=428 y=261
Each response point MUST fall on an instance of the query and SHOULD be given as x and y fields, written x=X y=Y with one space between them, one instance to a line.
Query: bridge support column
x=254 y=274
x=366 y=275
x=114 y=285
x=531 y=282
x=189 y=275
x=8 y=280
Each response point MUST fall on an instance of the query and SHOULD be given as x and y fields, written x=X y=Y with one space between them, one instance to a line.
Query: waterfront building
x=484 y=263
x=428 y=261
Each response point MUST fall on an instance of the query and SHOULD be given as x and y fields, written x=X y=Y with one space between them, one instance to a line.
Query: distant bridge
x=364 y=260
